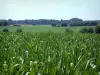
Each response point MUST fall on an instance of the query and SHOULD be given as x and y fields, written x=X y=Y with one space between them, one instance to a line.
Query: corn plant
x=49 y=53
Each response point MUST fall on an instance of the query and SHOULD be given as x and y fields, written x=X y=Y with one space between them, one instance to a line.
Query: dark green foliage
x=63 y=24
x=68 y=30
x=5 y=30
x=76 y=24
x=89 y=23
x=79 y=22
x=19 y=30
x=83 y=30
x=97 y=29
x=33 y=24
x=75 y=20
x=71 y=22
x=53 y=25
x=3 y=22
x=90 y=30
x=83 y=23
x=87 y=30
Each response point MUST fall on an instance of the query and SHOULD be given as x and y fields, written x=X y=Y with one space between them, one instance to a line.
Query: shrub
x=97 y=29
x=19 y=30
x=90 y=30
x=83 y=30
x=5 y=30
x=87 y=30
x=68 y=30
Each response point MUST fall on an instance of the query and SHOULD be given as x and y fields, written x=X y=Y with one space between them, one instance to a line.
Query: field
x=40 y=52
x=40 y=28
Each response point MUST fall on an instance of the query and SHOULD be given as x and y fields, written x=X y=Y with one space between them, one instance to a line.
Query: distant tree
x=90 y=23
x=63 y=24
x=53 y=25
x=71 y=22
x=93 y=23
x=10 y=21
x=75 y=20
x=76 y=24
x=3 y=22
x=98 y=21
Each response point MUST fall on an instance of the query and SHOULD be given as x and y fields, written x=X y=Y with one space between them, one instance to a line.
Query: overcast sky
x=50 y=9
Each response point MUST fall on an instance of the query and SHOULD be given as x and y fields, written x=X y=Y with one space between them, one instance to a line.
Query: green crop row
x=49 y=54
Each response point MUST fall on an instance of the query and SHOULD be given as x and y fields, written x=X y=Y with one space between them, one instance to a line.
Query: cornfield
x=49 y=54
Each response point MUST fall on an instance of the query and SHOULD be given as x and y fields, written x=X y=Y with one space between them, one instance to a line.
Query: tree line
x=53 y=22
x=3 y=23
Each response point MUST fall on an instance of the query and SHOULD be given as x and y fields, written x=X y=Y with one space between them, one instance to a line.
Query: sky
x=50 y=9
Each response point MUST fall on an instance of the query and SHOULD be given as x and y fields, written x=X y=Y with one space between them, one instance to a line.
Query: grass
x=44 y=53
x=41 y=28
